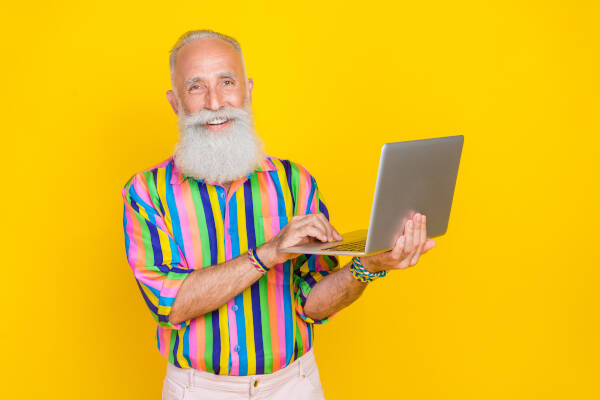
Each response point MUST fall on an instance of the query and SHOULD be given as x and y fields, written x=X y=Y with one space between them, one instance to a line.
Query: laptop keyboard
x=358 y=246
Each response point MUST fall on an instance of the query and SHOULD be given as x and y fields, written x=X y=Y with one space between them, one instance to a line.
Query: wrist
x=362 y=274
x=267 y=255
x=370 y=265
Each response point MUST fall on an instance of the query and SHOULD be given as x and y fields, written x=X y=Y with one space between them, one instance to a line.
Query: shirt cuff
x=301 y=297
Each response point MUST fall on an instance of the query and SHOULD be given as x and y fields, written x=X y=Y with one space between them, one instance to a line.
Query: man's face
x=217 y=141
x=209 y=75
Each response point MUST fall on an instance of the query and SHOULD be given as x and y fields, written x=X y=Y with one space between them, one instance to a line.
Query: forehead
x=207 y=56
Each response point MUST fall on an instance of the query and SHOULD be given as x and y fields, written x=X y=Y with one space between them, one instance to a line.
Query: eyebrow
x=223 y=75
x=193 y=79
x=227 y=75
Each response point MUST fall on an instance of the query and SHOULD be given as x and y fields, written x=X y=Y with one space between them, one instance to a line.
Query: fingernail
x=409 y=224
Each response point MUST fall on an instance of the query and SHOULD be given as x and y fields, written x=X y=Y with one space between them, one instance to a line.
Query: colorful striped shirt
x=174 y=224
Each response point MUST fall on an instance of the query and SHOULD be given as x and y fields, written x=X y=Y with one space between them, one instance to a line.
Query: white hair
x=190 y=36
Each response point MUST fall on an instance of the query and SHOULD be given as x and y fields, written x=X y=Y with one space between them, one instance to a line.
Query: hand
x=407 y=249
x=299 y=230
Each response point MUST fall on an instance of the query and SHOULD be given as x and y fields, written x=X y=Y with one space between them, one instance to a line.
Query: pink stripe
x=192 y=344
x=233 y=339
x=280 y=315
x=183 y=219
x=169 y=292
x=162 y=347
x=273 y=203
x=132 y=251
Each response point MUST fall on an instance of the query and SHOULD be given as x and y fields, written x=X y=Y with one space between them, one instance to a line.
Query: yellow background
x=506 y=307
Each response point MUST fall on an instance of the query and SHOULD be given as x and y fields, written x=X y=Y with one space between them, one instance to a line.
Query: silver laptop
x=414 y=176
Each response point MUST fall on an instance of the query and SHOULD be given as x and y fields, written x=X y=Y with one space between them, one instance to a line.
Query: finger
x=422 y=238
x=416 y=235
x=325 y=225
x=313 y=220
x=430 y=244
x=398 y=248
x=314 y=231
x=409 y=233
x=330 y=229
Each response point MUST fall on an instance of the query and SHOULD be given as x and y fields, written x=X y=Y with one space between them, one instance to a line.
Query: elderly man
x=203 y=231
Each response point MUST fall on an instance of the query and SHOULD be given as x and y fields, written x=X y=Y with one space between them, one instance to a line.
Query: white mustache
x=202 y=117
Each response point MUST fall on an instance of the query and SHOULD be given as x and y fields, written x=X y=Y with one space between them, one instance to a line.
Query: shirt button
x=222 y=195
x=236 y=348
x=234 y=307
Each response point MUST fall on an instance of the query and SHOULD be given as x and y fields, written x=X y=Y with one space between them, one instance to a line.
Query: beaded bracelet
x=360 y=273
x=259 y=265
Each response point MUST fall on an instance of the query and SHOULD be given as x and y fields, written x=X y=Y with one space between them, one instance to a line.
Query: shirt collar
x=265 y=165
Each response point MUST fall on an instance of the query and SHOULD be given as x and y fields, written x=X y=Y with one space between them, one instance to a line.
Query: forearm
x=333 y=293
x=207 y=289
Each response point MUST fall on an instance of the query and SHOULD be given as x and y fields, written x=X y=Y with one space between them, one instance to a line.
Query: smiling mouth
x=217 y=124
x=217 y=121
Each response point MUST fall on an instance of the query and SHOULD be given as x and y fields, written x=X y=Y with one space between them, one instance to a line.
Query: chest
x=211 y=225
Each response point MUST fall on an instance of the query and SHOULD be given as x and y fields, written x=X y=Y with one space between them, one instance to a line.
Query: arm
x=173 y=292
x=207 y=289
x=338 y=290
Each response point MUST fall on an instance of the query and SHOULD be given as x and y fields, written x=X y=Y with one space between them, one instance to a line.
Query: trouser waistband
x=303 y=366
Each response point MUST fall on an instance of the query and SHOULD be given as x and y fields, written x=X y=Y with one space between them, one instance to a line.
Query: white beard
x=218 y=157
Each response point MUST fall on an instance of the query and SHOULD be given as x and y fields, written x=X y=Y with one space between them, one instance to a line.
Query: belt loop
x=301 y=366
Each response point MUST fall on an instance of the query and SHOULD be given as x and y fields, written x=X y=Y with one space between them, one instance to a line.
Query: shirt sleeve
x=158 y=264
x=311 y=268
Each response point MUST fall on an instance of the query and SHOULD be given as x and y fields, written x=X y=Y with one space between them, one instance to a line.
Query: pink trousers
x=299 y=380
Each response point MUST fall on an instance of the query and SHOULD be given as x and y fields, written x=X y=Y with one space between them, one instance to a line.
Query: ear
x=250 y=87
x=172 y=101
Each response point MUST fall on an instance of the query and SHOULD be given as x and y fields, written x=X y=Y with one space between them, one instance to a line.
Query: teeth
x=216 y=121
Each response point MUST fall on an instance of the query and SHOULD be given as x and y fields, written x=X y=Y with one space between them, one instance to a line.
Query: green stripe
x=146 y=241
x=295 y=182
x=299 y=341
x=259 y=232
x=171 y=345
x=149 y=176
x=208 y=342
x=201 y=218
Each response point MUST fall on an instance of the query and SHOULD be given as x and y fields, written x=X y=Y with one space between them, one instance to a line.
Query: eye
x=228 y=82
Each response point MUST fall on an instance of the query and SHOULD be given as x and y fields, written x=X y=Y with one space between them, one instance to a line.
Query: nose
x=213 y=102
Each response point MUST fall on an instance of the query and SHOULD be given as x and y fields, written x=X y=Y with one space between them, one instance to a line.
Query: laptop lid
x=414 y=176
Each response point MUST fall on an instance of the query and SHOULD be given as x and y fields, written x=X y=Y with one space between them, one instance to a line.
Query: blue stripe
x=175 y=348
x=210 y=223
x=172 y=206
x=186 y=344
x=313 y=186
x=248 y=201
x=288 y=174
x=149 y=303
x=323 y=209
x=241 y=332
x=127 y=242
x=155 y=175
x=254 y=289
x=216 y=334
x=233 y=227
x=288 y=313
x=156 y=248
x=280 y=201
x=258 y=335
